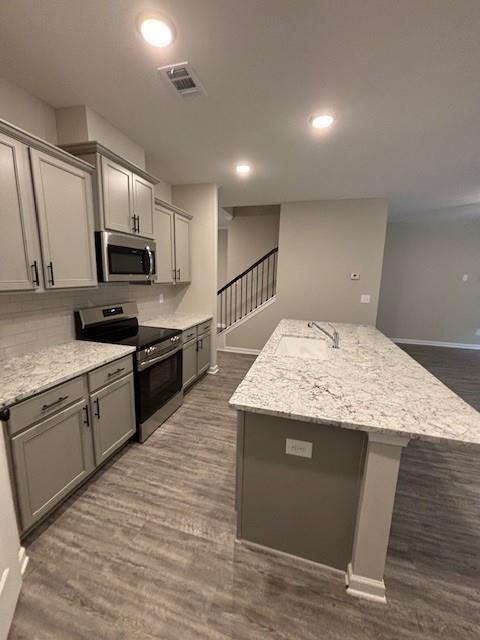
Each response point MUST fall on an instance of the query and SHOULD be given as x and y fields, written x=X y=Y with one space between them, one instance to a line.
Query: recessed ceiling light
x=243 y=169
x=157 y=31
x=322 y=121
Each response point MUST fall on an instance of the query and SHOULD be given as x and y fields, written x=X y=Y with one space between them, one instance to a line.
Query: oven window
x=158 y=384
x=126 y=260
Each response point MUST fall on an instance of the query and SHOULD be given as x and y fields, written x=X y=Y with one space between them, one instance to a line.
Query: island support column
x=374 y=516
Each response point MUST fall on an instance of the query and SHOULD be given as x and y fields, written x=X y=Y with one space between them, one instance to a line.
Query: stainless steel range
x=158 y=359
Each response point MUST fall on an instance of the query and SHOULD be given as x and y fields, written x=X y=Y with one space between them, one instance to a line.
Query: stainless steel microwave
x=121 y=258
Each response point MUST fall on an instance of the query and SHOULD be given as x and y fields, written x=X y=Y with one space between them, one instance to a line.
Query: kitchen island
x=320 y=436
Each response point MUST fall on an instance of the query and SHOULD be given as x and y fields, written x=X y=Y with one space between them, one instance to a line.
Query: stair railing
x=247 y=291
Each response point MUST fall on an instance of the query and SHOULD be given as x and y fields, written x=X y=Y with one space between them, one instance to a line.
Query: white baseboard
x=363 y=587
x=436 y=343
x=250 y=352
x=22 y=559
x=213 y=370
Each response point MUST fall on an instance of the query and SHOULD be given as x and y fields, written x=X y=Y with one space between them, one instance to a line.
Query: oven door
x=125 y=259
x=157 y=382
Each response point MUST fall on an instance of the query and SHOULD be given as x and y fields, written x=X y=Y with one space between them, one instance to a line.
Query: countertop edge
x=352 y=426
x=65 y=378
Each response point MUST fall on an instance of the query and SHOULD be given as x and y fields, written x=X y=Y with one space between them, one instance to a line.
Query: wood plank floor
x=146 y=550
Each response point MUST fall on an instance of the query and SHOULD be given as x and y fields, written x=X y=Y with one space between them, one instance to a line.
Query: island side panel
x=300 y=505
x=239 y=470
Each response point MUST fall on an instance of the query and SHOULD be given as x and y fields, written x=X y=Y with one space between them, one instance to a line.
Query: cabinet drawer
x=204 y=327
x=45 y=404
x=109 y=373
x=189 y=334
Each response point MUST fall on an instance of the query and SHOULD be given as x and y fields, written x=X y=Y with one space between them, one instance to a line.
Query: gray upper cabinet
x=172 y=237
x=164 y=240
x=113 y=411
x=143 y=197
x=117 y=190
x=64 y=199
x=125 y=192
x=50 y=459
x=182 y=248
x=20 y=264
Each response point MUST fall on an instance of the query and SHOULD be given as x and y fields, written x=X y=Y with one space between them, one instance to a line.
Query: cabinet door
x=182 y=248
x=19 y=249
x=113 y=411
x=143 y=206
x=163 y=234
x=189 y=362
x=203 y=355
x=117 y=187
x=50 y=459
x=65 y=211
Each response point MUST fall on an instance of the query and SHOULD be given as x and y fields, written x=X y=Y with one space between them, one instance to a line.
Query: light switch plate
x=298 y=448
x=365 y=298
x=477 y=332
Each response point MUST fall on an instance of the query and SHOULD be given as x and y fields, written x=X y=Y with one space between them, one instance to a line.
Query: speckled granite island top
x=181 y=321
x=367 y=384
x=32 y=373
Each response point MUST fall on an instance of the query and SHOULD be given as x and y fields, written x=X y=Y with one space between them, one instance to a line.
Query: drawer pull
x=49 y=406
x=114 y=373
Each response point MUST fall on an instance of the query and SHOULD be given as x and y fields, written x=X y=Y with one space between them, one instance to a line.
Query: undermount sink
x=298 y=347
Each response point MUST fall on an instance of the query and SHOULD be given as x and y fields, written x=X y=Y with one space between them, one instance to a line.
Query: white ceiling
x=402 y=78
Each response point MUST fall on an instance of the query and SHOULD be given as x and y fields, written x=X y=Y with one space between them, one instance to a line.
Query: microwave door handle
x=150 y=262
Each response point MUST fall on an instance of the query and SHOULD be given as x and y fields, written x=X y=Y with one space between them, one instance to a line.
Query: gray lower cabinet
x=113 y=416
x=196 y=355
x=50 y=459
x=203 y=353
x=189 y=362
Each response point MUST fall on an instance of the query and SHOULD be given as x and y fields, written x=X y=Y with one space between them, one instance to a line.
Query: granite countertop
x=367 y=384
x=27 y=375
x=175 y=320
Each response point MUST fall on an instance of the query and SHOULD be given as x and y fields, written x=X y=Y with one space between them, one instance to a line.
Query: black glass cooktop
x=128 y=333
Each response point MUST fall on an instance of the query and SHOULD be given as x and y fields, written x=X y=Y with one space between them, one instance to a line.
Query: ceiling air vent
x=182 y=78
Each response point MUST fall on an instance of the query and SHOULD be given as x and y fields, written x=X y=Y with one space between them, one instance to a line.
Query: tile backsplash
x=32 y=321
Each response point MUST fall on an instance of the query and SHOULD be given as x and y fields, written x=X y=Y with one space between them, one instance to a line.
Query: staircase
x=248 y=291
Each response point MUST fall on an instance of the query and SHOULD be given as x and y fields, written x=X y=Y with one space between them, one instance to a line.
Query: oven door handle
x=141 y=366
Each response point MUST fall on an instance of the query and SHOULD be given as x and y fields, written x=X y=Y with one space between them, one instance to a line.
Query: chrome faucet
x=334 y=337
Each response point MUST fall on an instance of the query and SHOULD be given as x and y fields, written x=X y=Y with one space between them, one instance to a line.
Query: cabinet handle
x=174 y=271
x=35 y=278
x=134 y=223
x=53 y=404
x=114 y=373
x=51 y=280
x=138 y=224
x=96 y=402
x=178 y=274
x=87 y=417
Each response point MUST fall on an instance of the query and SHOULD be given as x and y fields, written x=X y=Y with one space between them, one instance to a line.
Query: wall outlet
x=465 y=277
x=160 y=298
x=365 y=298
x=355 y=276
x=298 y=448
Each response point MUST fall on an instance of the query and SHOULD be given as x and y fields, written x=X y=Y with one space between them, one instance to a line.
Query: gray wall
x=222 y=257
x=27 y=112
x=423 y=295
x=252 y=233
x=321 y=243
